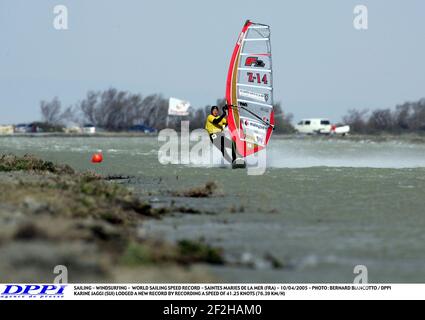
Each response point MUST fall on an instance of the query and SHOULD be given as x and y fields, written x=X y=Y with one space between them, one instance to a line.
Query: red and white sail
x=249 y=89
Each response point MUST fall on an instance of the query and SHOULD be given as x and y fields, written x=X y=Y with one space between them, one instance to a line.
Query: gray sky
x=323 y=66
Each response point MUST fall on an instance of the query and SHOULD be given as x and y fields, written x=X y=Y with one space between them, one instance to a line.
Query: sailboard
x=249 y=89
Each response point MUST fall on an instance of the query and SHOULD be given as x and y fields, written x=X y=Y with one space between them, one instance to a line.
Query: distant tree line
x=111 y=110
x=405 y=118
x=115 y=110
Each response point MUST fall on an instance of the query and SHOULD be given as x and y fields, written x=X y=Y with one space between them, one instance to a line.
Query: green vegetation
x=198 y=192
x=56 y=209
x=30 y=163
x=140 y=253
x=198 y=251
x=186 y=252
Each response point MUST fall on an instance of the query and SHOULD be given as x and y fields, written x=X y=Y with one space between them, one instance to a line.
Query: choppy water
x=322 y=206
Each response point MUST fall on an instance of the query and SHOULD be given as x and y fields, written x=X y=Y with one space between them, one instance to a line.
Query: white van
x=320 y=126
x=314 y=126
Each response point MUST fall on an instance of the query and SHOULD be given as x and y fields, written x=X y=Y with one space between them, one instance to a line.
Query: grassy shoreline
x=51 y=215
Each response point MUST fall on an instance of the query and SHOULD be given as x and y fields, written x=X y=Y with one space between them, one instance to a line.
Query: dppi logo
x=33 y=291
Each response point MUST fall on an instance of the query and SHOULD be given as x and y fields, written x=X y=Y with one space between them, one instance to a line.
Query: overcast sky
x=323 y=66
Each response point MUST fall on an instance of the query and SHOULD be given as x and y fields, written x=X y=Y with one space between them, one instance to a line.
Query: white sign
x=254 y=95
x=178 y=107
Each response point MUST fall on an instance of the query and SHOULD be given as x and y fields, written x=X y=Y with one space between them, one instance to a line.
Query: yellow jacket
x=212 y=127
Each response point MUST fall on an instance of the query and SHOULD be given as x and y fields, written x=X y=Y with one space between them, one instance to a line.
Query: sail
x=249 y=89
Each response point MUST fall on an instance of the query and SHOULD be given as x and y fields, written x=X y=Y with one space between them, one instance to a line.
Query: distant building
x=72 y=127
x=26 y=128
x=89 y=128
x=5 y=130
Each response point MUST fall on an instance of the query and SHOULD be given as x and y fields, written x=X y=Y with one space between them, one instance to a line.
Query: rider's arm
x=217 y=120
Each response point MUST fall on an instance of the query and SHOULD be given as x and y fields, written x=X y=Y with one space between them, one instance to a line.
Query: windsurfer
x=215 y=125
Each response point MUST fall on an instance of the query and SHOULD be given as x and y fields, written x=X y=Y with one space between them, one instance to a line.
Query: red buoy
x=97 y=158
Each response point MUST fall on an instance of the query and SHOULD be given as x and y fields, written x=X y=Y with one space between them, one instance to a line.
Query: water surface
x=322 y=206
